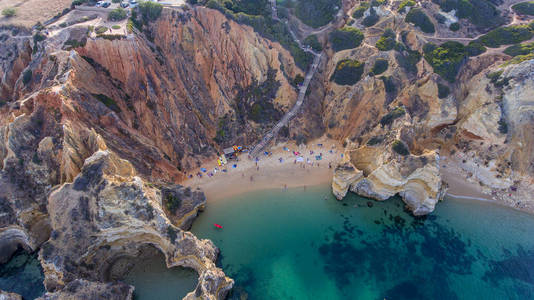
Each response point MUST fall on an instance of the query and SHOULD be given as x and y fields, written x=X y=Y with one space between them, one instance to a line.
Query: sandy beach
x=270 y=172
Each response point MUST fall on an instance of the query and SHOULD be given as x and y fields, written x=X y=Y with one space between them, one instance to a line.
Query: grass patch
x=116 y=27
x=406 y=3
x=446 y=59
x=346 y=38
x=417 y=17
x=348 y=72
x=101 y=29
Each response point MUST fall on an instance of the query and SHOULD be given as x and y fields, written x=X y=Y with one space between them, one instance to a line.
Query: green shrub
x=520 y=49
x=27 y=76
x=38 y=37
x=475 y=48
x=313 y=42
x=9 y=12
x=375 y=140
x=482 y=13
x=506 y=36
x=371 y=19
x=408 y=60
x=519 y=59
x=381 y=65
x=446 y=59
x=172 y=202
x=118 y=14
x=400 y=148
x=172 y=233
x=298 y=80
x=101 y=29
x=417 y=17
x=386 y=41
x=455 y=26
x=392 y=116
x=116 y=27
x=524 y=8
x=316 y=13
x=443 y=90
x=345 y=38
x=115 y=1
x=388 y=84
x=375 y=3
x=360 y=10
x=406 y=3
x=77 y=2
x=348 y=72
x=150 y=11
x=107 y=101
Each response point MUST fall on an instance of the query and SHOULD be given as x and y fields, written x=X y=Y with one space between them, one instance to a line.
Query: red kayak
x=217 y=225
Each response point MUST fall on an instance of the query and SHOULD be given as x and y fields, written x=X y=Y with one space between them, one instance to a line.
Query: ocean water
x=154 y=281
x=23 y=274
x=298 y=244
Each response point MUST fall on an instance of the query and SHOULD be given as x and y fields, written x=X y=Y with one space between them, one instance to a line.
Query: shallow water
x=154 y=281
x=299 y=244
x=23 y=275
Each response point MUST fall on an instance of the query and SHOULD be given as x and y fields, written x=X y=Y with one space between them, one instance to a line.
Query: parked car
x=133 y=3
x=125 y=4
x=99 y=3
x=106 y=4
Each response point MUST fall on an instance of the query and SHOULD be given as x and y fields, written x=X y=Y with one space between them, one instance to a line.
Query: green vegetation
x=482 y=13
x=172 y=202
x=519 y=59
x=9 y=12
x=316 y=13
x=298 y=80
x=475 y=48
x=101 y=29
x=257 y=14
x=371 y=19
x=27 y=76
x=375 y=140
x=150 y=11
x=71 y=44
x=256 y=100
x=38 y=37
x=348 y=72
x=520 y=49
x=381 y=65
x=455 y=26
x=392 y=116
x=172 y=233
x=360 y=10
x=107 y=101
x=446 y=59
x=388 y=84
x=524 y=8
x=417 y=17
x=503 y=126
x=443 y=90
x=408 y=59
x=400 y=148
x=386 y=41
x=507 y=35
x=118 y=14
x=345 y=38
x=313 y=42
x=375 y=3
x=116 y=27
x=406 y=3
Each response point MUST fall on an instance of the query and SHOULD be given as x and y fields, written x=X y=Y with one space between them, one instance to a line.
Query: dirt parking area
x=29 y=12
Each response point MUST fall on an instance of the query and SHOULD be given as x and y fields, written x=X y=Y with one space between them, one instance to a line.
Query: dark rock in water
x=377 y=222
x=369 y=204
x=345 y=204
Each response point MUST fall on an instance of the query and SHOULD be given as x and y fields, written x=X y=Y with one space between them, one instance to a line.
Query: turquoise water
x=299 y=244
x=154 y=281
x=23 y=274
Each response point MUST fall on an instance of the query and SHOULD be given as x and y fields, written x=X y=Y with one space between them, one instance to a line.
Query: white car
x=133 y=3
x=99 y=3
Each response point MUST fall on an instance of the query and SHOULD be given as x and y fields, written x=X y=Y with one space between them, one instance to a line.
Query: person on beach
x=251 y=178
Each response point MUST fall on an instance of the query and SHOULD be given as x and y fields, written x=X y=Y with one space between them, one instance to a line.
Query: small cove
x=298 y=244
x=23 y=275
